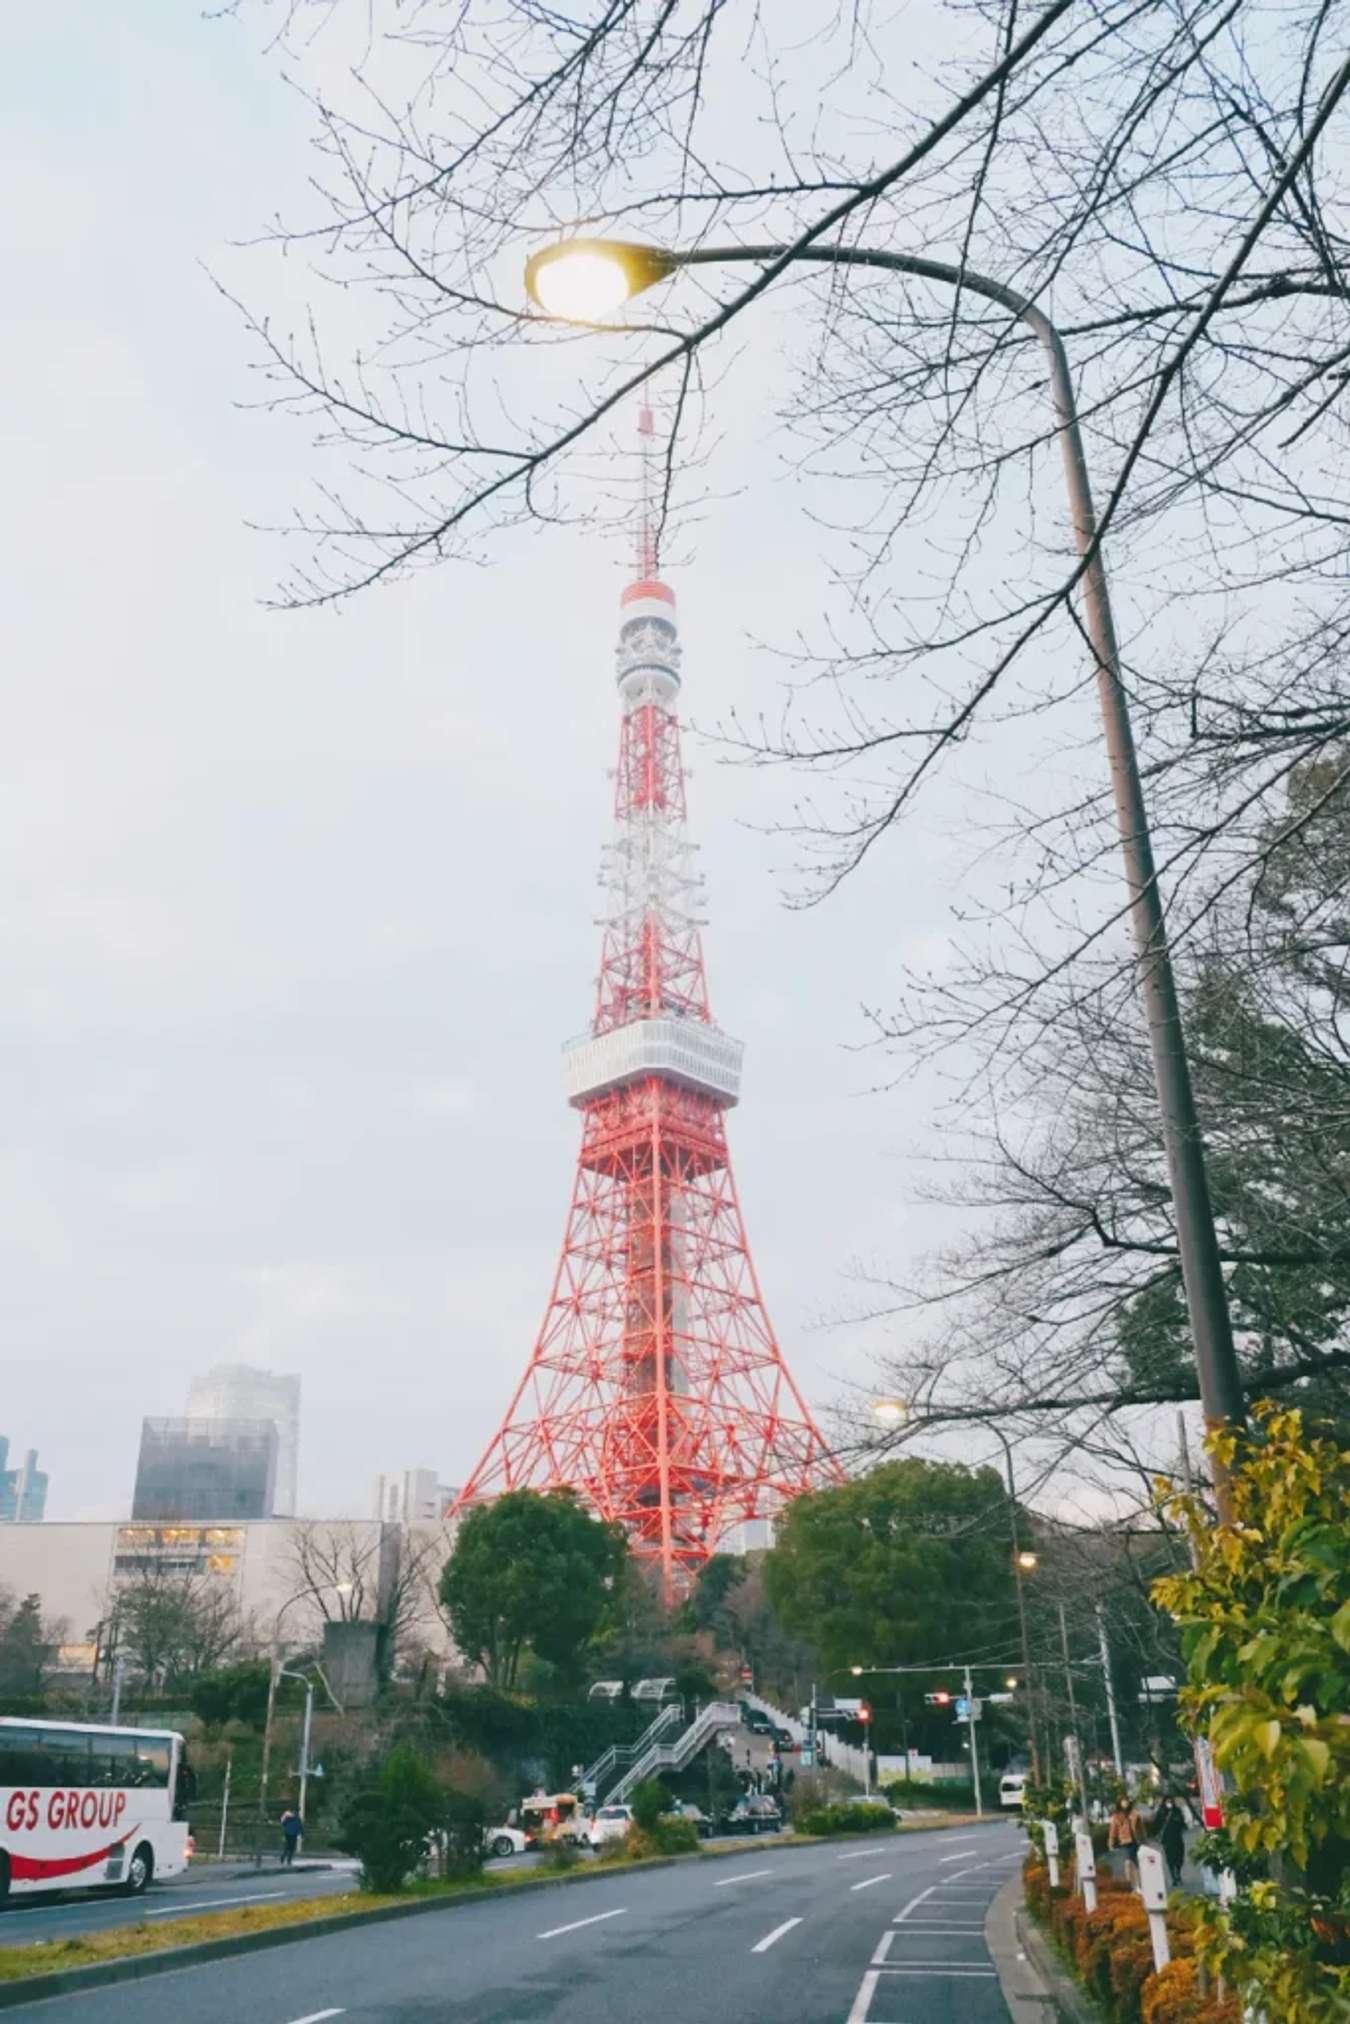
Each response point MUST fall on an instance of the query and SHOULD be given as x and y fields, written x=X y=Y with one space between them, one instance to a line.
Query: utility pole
x=118 y=1674
x=1073 y=1715
x=1110 y=1685
x=974 y=1745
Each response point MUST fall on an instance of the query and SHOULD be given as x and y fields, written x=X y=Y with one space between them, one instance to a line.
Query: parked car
x=611 y=1823
x=756 y=1813
x=755 y=1720
x=1012 y=1788
x=701 y=1820
x=506 y=1840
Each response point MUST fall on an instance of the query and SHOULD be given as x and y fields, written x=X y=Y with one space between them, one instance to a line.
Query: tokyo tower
x=656 y=1390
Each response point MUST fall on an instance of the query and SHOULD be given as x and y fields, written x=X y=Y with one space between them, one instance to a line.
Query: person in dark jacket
x=1169 y=1831
x=292 y=1828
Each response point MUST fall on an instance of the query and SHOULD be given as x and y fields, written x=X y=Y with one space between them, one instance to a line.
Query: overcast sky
x=300 y=909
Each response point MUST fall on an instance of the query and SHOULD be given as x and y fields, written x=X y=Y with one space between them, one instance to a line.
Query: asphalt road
x=203 y=1888
x=886 y=1932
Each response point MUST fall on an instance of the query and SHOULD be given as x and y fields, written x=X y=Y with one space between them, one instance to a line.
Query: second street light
x=585 y=281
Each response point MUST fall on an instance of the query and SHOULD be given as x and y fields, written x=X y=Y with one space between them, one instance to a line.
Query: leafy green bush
x=388 y=1824
x=946 y=1795
x=649 y=1801
x=848 y=1816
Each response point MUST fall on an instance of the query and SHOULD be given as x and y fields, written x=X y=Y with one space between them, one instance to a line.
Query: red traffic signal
x=941 y=1699
x=864 y=1712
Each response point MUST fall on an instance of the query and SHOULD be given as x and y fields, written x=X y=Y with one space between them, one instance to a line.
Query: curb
x=1026 y=1990
x=137 y=1967
x=1069 y=2002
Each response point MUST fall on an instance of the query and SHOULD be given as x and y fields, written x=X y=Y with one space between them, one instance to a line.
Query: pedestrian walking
x=1169 y=1831
x=1125 y=1831
x=292 y=1827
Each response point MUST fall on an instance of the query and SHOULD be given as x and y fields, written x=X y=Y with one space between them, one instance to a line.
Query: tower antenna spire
x=646 y=545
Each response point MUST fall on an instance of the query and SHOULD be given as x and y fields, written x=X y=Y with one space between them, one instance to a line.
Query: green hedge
x=846 y=1816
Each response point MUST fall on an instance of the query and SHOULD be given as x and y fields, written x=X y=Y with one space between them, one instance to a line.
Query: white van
x=1012 y=1788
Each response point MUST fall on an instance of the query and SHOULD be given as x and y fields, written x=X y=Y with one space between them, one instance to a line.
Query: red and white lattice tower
x=657 y=1389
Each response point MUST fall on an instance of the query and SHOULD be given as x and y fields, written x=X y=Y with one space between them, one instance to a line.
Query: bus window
x=21 y=1756
x=112 y=1760
x=64 y=1758
x=151 y=1766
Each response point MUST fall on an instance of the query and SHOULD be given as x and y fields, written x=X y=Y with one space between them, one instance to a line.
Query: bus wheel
x=140 y=1870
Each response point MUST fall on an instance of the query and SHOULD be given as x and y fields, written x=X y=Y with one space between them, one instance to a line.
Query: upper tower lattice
x=656 y=1389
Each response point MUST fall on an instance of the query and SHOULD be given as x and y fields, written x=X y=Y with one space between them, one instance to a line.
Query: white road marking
x=857 y=1854
x=746 y=1876
x=944 y=1971
x=317 y=2016
x=252 y=1897
x=957 y=1856
x=763 y=1946
x=868 y=1881
x=862 y=2001
x=904 y=1913
x=883 y=1948
x=577 y=1924
x=927 y=1926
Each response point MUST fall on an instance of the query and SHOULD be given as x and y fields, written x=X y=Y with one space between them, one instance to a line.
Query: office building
x=206 y=1469
x=416 y=1496
x=238 y=1391
x=23 y=1491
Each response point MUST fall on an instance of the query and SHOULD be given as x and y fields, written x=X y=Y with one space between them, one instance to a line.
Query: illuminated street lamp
x=585 y=281
x=1028 y=1562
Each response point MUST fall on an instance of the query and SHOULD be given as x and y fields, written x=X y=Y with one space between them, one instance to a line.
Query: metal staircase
x=595 y=1778
x=673 y=1756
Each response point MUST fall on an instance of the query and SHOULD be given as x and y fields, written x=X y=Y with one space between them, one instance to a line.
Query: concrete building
x=239 y=1391
x=414 y=1495
x=206 y=1470
x=284 y=1577
x=23 y=1491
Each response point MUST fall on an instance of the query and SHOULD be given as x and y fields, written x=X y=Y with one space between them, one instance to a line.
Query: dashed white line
x=969 y=1849
x=943 y=1971
x=317 y=2016
x=771 y=1939
x=857 y=1854
x=252 y=1897
x=868 y=1881
x=746 y=1876
x=576 y=1924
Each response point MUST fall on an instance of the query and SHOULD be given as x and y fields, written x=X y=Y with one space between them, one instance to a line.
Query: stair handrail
x=609 y=1759
x=673 y=1756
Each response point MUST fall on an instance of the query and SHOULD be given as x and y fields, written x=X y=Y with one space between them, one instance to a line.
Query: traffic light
x=941 y=1699
x=864 y=1712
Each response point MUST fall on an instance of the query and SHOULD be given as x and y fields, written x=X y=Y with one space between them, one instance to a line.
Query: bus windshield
x=82 y=1805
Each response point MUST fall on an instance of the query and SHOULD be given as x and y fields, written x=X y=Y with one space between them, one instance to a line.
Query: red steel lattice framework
x=657 y=1389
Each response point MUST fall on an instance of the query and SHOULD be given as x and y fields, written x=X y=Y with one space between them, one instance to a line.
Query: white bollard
x=1087 y=1869
x=1051 y=1833
x=1153 y=1889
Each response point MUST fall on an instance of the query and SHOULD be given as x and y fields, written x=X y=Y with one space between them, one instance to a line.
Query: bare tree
x=355 y=1569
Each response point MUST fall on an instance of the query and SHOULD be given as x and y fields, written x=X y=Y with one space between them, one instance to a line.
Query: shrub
x=562 y=1855
x=649 y=1801
x=948 y=1795
x=388 y=1824
x=1172 y=1996
x=847 y=1816
x=464 y=1817
x=669 y=1834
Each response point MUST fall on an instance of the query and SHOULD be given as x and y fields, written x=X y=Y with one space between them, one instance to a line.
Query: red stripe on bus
x=29 y=1868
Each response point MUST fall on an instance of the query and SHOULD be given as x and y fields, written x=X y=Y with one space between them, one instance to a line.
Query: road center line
x=868 y=1881
x=576 y=1924
x=252 y=1897
x=746 y=1876
x=968 y=1850
x=763 y=1946
x=862 y=2001
x=857 y=1854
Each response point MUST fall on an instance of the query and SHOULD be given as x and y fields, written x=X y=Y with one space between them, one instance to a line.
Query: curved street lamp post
x=586 y=280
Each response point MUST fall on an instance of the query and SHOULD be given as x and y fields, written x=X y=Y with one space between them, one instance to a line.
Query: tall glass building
x=240 y=1391
x=206 y=1469
x=23 y=1491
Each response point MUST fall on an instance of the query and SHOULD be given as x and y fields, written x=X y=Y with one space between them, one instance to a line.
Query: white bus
x=83 y=1807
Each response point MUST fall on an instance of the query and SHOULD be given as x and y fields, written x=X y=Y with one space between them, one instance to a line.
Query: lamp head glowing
x=586 y=280
x=891 y=1412
x=1027 y=1562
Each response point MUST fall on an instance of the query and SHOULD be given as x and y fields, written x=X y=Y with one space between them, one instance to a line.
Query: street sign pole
x=974 y=1746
